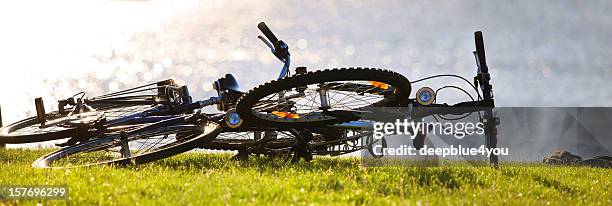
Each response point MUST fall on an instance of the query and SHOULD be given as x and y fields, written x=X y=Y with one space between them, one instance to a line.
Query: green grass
x=214 y=179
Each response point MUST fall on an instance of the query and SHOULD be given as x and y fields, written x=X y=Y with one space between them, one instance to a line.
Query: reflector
x=286 y=115
x=379 y=85
x=425 y=96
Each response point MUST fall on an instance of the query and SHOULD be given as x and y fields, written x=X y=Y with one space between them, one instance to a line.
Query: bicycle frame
x=285 y=70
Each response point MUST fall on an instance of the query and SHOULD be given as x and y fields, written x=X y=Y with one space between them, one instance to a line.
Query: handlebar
x=268 y=33
x=278 y=47
x=480 y=52
x=483 y=76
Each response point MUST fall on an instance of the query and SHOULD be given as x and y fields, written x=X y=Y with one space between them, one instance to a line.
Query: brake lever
x=265 y=41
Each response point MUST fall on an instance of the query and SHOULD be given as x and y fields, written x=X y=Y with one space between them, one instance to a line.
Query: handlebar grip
x=480 y=51
x=266 y=31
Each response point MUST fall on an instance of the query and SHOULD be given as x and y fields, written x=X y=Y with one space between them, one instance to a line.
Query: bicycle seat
x=228 y=82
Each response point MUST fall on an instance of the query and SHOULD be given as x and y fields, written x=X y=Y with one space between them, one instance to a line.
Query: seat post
x=40 y=111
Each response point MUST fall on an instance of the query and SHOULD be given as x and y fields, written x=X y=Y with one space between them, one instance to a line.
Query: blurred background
x=541 y=53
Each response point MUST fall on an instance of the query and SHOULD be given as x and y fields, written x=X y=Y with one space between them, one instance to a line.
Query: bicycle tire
x=11 y=133
x=247 y=102
x=209 y=131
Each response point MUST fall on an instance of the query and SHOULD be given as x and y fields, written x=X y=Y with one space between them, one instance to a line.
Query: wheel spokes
x=341 y=95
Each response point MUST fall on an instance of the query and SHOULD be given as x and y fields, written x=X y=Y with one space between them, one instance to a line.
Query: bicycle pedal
x=302 y=154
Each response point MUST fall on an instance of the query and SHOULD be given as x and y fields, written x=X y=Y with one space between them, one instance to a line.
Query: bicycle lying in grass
x=261 y=105
x=304 y=114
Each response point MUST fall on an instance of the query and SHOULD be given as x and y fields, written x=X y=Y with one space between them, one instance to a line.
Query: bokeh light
x=549 y=50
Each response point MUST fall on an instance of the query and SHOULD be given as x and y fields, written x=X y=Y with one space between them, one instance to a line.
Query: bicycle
x=266 y=105
x=254 y=105
x=77 y=115
x=179 y=125
x=300 y=104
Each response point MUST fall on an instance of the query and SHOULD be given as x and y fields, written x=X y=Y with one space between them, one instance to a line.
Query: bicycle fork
x=490 y=123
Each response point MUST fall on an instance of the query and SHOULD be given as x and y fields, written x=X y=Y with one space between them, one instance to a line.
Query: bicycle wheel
x=342 y=142
x=245 y=140
x=29 y=130
x=135 y=149
x=322 y=98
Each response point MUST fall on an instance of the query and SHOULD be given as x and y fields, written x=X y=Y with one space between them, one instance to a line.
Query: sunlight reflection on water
x=113 y=45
